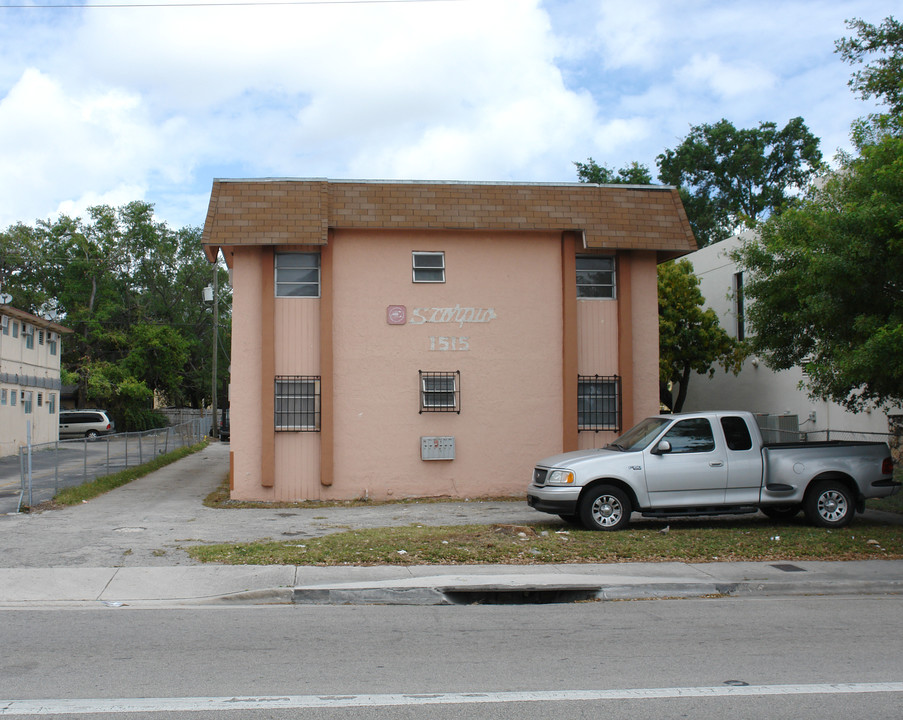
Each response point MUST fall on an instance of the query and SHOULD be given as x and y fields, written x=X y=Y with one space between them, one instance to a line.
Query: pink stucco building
x=419 y=339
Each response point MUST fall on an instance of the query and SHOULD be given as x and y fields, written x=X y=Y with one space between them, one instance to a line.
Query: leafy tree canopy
x=131 y=290
x=735 y=177
x=826 y=282
x=690 y=338
x=633 y=174
x=882 y=76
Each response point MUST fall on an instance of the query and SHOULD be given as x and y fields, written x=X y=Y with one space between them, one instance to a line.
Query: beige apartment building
x=30 y=350
x=430 y=339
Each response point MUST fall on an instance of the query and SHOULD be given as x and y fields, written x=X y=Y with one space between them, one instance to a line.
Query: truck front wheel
x=605 y=508
x=829 y=504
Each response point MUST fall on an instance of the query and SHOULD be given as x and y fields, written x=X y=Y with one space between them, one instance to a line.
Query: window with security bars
x=440 y=392
x=599 y=402
x=297 y=406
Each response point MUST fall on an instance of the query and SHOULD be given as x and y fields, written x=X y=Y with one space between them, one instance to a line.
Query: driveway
x=150 y=521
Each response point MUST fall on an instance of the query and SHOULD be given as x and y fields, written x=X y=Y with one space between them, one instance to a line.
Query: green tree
x=731 y=178
x=690 y=338
x=882 y=77
x=633 y=174
x=826 y=282
x=131 y=290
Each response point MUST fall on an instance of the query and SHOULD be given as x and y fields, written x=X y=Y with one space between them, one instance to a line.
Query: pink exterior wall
x=644 y=315
x=597 y=352
x=244 y=401
x=511 y=388
x=511 y=366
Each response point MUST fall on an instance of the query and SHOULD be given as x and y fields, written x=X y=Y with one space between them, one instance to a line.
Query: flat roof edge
x=493 y=183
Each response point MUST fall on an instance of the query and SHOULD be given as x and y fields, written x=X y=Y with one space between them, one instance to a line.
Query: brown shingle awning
x=301 y=212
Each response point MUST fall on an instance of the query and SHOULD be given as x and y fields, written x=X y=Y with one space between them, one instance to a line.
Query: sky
x=111 y=101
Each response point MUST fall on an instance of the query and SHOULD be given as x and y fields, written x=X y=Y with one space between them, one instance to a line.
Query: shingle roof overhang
x=302 y=211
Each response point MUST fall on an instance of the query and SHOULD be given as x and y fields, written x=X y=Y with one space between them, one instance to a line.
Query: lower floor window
x=599 y=402
x=297 y=403
x=440 y=391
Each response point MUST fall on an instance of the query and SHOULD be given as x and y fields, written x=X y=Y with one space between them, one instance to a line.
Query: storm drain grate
x=786 y=567
x=519 y=596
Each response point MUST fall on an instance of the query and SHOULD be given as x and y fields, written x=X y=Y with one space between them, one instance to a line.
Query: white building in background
x=758 y=388
x=30 y=350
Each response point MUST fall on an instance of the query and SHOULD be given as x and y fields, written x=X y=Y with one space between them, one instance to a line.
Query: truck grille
x=539 y=476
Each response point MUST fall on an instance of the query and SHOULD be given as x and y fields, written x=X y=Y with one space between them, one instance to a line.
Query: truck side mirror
x=662 y=448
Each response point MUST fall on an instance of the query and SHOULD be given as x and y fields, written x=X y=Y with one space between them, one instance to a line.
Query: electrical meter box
x=437 y=448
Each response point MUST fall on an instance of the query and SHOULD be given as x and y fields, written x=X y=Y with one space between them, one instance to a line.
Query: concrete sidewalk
x=439 y=585
x=127 y=548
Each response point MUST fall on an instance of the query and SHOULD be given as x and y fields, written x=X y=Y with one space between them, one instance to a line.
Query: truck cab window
x=736 y=434
x=691 y=436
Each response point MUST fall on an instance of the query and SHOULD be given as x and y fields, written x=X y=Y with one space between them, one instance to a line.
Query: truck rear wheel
x=829 y=504
x=605 y=507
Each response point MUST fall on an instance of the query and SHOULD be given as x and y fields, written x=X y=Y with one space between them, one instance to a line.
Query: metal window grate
x=297 y=403
x=440 y=391
x=599 y=402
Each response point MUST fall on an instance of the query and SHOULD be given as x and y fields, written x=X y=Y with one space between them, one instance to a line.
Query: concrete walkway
x=127 y=548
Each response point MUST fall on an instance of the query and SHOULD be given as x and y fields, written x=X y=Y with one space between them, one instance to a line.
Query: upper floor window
x=596 y=276
x=297 y=274
x=15 y=329
x=51 y=343
x=739 y=309
x=428 y=267
x=5 y=323
x=28 y=332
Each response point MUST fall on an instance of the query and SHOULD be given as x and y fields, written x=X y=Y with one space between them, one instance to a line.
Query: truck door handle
x=716 y=463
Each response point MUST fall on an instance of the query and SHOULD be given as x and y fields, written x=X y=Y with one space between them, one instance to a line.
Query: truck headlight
x=560 y=477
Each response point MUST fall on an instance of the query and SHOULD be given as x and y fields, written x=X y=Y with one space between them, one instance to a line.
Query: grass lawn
x=755 y=539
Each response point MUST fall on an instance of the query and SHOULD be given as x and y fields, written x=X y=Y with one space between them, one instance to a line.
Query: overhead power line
x=239 y=3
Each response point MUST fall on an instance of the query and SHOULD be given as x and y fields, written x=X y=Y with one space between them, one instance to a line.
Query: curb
x=527 y=593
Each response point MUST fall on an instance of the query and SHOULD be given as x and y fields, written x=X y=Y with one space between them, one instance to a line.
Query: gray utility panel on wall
x=437 y=448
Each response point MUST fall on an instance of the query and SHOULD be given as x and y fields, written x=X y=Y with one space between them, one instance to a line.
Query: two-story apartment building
x=30 y=349
x=397 y=339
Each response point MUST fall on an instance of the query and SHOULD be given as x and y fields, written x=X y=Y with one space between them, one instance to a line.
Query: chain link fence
x=50 y=467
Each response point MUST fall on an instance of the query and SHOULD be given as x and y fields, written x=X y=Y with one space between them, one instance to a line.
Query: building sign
x=457 y=315
x=396 y=314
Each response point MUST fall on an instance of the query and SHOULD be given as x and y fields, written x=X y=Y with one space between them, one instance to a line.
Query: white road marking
x=292 y=702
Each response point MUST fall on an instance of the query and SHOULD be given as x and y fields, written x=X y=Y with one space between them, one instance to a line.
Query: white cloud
x=726 y=80
x=151 y=103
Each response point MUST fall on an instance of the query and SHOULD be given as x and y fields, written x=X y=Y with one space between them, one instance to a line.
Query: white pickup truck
x=710 y=463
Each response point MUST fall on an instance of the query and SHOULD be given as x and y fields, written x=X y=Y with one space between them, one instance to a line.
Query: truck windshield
x=639 y=436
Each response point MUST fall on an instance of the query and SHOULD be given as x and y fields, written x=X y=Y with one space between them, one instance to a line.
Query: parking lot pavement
x=151 y=520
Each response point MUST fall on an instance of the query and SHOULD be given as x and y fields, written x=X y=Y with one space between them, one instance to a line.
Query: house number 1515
x=446 y=344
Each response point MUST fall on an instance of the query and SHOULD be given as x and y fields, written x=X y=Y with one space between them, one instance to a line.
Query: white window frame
x=297 y=275
x=589 y=284
x=425 y=269
x=440 y=391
